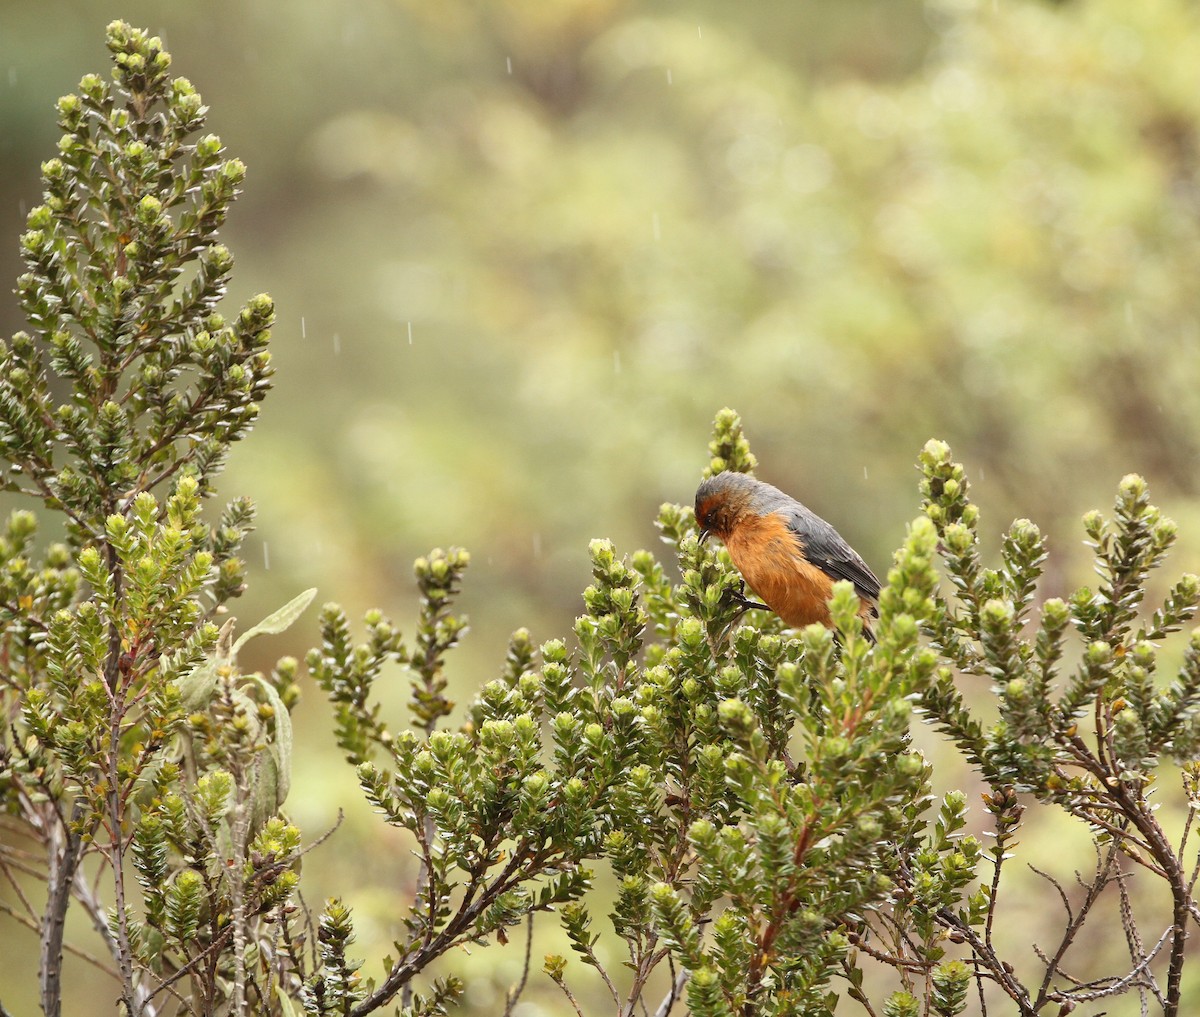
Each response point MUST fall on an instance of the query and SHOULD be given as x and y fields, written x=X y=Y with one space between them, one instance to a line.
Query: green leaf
x=285 y=1002
x=197 y=685
x=277 y=621
x=276 y=777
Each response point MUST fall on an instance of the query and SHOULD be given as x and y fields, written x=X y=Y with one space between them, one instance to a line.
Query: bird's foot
x=745 y=603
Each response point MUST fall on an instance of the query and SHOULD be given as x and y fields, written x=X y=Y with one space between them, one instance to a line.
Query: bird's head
x=722 y=500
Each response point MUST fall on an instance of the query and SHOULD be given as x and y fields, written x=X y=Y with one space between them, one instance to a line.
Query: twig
x=1066 y=902
x=214 y=947
x=323 y=838
x=678 y=981
x=1195 y=874
x=854 y=994
x=1097 y=990
x=116 y=688
x=595 y=963
x=514 y=993
x=1137 y=952
x=469 y=910
x=424 y=885
x=563 y=985
x=1076 y=919
x=33 y=926
x=979 y=976
x=984 y=956
x=239 y=831
x=6 y=867
x=642 y=962
x=1142 y=818
x=89 y=898
x=63 y=861
x=1187 y=829
x=890 y=959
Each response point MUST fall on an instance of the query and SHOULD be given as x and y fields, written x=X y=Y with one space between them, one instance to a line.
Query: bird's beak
x=704 y=535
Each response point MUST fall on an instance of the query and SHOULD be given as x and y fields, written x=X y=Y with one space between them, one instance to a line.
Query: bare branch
x=1104 y=987
x=1075 y=920
x=64 y=850
x=514 y=994
x=678 y=981
x=571 y=998
x=1137 y=952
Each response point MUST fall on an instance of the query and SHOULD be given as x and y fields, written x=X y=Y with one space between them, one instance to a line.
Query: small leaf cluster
x=124 y=274
x=103 y=677
x=729 y=448
x=133 y=745
x=1044 y=742
x=506 y=810
x=180 y=853
x=347 y=673
x=1088 y=736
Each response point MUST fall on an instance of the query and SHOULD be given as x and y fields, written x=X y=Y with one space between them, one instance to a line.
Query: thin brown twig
x=1195 y=874
x=89 y=899
x=1187 y=829
x=212 y=948
x=35 y=927
x=518 y=870
x=6 y=867
x=890 y=959
x=983 y=956
x=1141 y=816
x=514 y=994
x=857 y=996
x=1075 y=920
x=1062 y=894
x=570 y=996
x=1137 y=951
x=1096 y=989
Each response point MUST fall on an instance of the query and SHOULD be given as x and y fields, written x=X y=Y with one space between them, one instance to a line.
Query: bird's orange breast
x=771 y=559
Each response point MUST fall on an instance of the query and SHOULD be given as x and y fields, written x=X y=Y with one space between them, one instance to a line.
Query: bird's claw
x=745 y=603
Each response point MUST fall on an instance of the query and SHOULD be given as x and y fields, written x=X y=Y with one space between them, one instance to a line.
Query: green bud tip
x=998 y=612
x=936 y=451
x=261 y=305
x=1133 y=485
x=208 y=146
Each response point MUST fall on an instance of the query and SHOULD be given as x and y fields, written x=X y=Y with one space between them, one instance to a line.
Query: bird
x=789 y=556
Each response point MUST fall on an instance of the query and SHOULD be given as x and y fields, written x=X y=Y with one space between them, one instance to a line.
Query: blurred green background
x=523 y=250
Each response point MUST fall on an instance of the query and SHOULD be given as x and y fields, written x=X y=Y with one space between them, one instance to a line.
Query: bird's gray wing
x=825 y=548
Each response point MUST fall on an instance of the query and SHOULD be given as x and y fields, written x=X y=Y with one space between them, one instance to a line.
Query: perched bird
x=790 y=557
